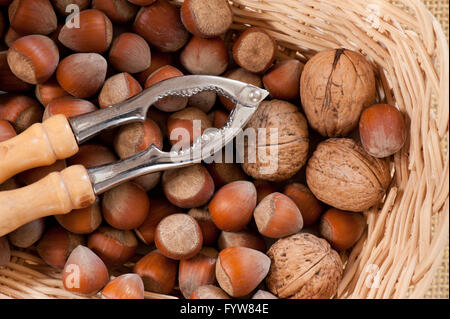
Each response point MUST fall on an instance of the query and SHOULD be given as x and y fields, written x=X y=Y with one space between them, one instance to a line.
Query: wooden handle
x=40 y=145
x=57 y=193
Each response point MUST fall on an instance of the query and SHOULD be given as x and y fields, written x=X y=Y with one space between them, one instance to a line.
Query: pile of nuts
x=219 y=230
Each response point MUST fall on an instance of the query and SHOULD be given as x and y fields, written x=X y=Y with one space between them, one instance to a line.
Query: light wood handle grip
x=57 y=193
x=40 y=145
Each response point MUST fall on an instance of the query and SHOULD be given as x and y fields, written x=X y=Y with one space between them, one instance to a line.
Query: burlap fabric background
x=439 y=288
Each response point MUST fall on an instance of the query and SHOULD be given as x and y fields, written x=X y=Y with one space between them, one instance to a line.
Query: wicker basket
x=404 y=243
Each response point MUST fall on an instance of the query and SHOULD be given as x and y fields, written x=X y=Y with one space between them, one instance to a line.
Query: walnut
x=304 y=267
x=335 y=86
x=341 y=174
x=273 y=160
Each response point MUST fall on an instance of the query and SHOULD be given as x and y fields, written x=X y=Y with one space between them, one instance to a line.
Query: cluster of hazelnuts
x=216 y=230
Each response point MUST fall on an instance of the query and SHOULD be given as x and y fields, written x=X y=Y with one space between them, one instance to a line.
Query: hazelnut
x=309 y=206
x=277 y=216
x=32 y=17
x=209 y=292
x=33 y=58
x=262 y=294
x=335 y=86
x=205 y=56
x=303 y=267
x=33 y=175
x=342 y=229
x=118 y=88
x=94 y=35
x=6 y=130
x=159 y=209
x=127 y=286
x=82 y=74
x=353 y=180
x=90 y=155
x=84 y=272
x=203 y=101
x=206 y=18
x=8 y=81
x=240 y=270
x=130 y=53
x=56 y=245
x=28 y=234
x=218 y=118
x=382 y=130
x=68 y=106
x=161 y=26
x=49 y=91
x=255 y=50
x=159 y=117
x=158 y=60
x=280 y=159
x=158 y=272
x=197 y=271
x=133 y=138
x=82 y=221
x=113 y=246
x=178 y=236
x=243 y=238
x=242 y=75
x=5 y=251
x=119 y=11
x=283 y=80
x=210 y=232
x=169 y=103
x=263 y=188
x=125 y=206
x=20 y=110
x=182 y=123
x=149 y=181
x=232 y=206
x=188 y=187
x=224 y=173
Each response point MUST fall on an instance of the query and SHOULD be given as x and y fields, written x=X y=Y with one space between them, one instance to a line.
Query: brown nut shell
x=160 y=24
x=353 y=180
x=277 y=216
x=178 y=236
x=56 y=245
x=206 y=18
x=158 y=272
x=94 y=33
x=303 y=267
x=266 y=160
x=239 y=270
x=255 y=50
x=33 y=58
x=32 y=17
x=188 y=187
x=335 y=86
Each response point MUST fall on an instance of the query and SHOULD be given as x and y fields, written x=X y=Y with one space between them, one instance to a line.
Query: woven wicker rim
x=403 y=245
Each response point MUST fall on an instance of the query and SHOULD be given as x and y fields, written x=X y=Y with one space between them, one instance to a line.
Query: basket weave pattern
x=406 y=237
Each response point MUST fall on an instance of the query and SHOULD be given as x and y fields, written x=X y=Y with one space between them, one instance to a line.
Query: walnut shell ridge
x=335 y=86
x=341 y=174
x=303 y=267
x=263 y=159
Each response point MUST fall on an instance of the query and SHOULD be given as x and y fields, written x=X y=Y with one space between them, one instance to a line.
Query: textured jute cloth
x=439 y=288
